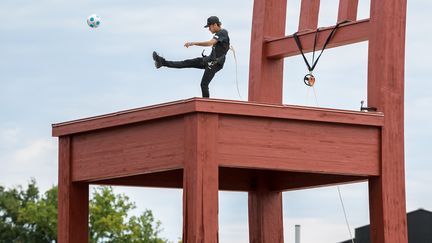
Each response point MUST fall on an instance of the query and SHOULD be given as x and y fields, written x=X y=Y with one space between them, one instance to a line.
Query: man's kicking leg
x=208 y=75
x=189 y=63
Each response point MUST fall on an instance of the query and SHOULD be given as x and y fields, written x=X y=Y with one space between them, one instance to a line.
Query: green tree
x=16 y=207
x=40 y=217
x=26 y=216
x=110 y=223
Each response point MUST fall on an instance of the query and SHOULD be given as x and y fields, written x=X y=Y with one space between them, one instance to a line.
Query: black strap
x=329 y=37
x=297 y=41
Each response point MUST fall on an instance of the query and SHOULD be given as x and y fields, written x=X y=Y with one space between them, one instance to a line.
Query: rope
x=346 y=218
x=316 y=99
x=338 y=188
x=235 y=60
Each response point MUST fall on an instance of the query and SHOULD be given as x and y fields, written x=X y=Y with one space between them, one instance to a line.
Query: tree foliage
x=110 y=222
x=27 y=216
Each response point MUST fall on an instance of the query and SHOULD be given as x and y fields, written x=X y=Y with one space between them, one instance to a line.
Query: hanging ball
x=309 y=80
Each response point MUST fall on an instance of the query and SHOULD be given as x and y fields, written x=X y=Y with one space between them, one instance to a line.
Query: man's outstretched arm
x=202 y=43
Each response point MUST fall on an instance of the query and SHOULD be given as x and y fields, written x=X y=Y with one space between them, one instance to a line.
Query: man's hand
x=187 y=44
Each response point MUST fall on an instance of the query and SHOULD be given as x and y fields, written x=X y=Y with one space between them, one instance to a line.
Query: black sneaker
x=158 y=60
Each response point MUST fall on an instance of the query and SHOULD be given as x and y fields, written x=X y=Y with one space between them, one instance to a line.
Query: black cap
x=212 y=20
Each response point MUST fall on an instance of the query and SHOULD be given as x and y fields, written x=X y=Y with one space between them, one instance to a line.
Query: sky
x=54 y=68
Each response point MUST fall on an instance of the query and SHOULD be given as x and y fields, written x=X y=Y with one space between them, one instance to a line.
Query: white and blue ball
x=93 y=21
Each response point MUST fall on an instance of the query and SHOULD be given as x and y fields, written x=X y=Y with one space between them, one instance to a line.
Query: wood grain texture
x=237 y=179
x=183 y=107
x=265 y=75
x=165 y=179
x=298 y=146
x=242 y=179
x=73 y=204
x=265 y=213
x=200 y=180
x=346 y=34
x=241 y=135
x=309 y=12
x=386 y=92
x=123 y=117
x=347 y=10
x=289 y=181
x=290 y=112
x=128 y=150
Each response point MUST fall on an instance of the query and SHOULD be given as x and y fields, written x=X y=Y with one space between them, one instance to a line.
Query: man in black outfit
x=211 y=64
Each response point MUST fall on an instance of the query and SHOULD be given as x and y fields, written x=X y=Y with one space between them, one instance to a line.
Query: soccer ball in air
x=93 y=21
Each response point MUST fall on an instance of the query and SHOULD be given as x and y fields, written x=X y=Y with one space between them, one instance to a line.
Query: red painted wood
x=291 y=112
x=309 y=11
x=265 y=214
x=386 y=92
x=283 y=181
x=376 y=211
x=241 y=179
x=200 y=180
x=129 y=154
x=263 y=143
x=265 y=75
x=165 y=179
x=237 y=179
x=129 y=150
x=183 y=107
x=123 y=117
x=347 y=10
x=349 y=33
x=72 y=200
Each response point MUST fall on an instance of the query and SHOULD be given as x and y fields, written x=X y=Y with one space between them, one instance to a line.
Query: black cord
x=329 y=37
x=297 y=41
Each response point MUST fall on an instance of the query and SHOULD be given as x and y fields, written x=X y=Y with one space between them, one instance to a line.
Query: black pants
x=198 y=62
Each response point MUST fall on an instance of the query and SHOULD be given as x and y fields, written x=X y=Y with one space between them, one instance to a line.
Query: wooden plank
x=124 y=117
x=386 y=92
x=215 y=106
x=350 y=33
x=287 y=181
x=165 y=179
x=243 y=179
x=347 y=10
x=265 y=75
x=128 y=150
x=265 y=213
x=376 y=211
x=263 y=143
x=236 y=179
x=309 y=12
x=192 y=197
x=200 y=180
x=73 y=205
x=291 y=112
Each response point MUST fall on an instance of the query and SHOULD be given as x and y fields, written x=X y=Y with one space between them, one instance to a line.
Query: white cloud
x=9 y=136
x=36 y=149
x=31 y=159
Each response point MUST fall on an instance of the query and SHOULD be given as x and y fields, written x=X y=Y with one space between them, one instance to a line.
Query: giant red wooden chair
x=260 y=146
